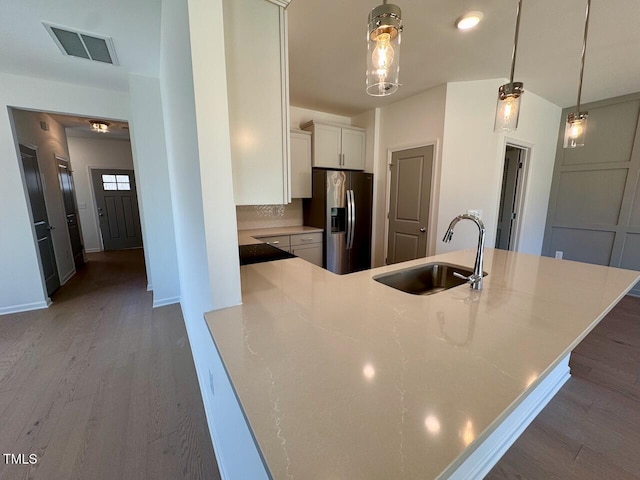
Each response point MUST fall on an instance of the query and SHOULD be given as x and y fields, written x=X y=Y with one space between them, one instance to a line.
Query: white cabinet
x=256 y=65
x=307 y=246
x=337 y=146
x=300 y=164
x=310 y=253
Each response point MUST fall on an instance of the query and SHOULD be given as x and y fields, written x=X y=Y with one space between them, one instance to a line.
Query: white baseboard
x=92 y=250
x=161 y=302
x=489 y=452
x=149 y=287
x=25 y=307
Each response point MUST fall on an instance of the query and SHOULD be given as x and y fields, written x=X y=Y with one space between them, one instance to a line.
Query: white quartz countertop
x=341 y=377
x=248 y=237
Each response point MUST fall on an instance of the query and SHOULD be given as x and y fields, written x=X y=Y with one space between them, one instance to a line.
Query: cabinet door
x=280 y=241
x=255 y=43
x=300 y=164
x=310 y=253
x=327 y=148
x=353 y=147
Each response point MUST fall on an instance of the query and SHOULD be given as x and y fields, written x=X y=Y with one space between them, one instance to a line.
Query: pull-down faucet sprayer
x=475 y=279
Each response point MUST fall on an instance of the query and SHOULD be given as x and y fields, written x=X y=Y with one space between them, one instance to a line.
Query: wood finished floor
x=100 y=385
x=591 y=428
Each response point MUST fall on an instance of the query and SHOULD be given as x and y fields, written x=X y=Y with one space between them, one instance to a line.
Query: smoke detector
x=82 y=44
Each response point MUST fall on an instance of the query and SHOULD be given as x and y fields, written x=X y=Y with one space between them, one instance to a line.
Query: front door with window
x=117 y=204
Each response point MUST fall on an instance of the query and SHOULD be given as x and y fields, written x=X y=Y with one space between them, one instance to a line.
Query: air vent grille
x=83 y=45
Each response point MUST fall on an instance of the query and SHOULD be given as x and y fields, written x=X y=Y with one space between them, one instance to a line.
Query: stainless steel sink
x=425 y=279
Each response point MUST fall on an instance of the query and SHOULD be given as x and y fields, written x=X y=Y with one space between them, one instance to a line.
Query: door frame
x=30 y=213
x=527 y=149
x=432 y=224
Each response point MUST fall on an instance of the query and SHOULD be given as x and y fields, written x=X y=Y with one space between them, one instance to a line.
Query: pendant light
x=383 y=49
x=509 y=94
x=576 y=126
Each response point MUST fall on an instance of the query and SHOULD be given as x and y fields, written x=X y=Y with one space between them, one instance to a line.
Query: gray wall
x=594 y=207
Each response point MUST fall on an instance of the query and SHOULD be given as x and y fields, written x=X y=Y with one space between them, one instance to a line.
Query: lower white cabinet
x=307 y=246
x=310 y=253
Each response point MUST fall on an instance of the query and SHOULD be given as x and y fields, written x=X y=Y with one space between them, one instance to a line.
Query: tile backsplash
x=269 y=216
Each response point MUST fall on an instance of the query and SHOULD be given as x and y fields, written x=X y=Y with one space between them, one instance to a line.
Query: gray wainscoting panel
x=610 y=133
x=590 y=197
x=634 y=220
x=594 y=206
x=591 y=246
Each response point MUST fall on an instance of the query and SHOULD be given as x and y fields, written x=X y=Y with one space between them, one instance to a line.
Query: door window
x=116 y=182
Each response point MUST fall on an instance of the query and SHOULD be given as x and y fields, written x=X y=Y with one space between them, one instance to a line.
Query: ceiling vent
x=83 y=45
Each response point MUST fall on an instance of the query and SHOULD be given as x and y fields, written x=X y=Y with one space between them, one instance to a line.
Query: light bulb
x=508 y=108
x=575 y=130
x=382 y=56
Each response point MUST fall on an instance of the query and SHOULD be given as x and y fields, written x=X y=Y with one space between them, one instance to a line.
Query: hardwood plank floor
x=591 y=428
x=100 y=385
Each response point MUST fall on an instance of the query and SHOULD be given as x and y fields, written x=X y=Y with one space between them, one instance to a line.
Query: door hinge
x=513 y=216
x=387 y=214
x=520 y=165
x=390 y=165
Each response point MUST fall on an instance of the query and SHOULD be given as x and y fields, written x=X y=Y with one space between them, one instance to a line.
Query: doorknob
x=422 y=229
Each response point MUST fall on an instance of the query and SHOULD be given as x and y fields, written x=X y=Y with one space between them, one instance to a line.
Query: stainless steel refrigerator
x=341 y=204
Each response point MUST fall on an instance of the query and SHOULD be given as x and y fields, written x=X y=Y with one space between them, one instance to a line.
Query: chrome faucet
x=476 y=278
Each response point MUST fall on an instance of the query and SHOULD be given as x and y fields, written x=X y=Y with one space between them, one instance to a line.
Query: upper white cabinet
x=337 y=146
x=300 y=164
x=257 y=81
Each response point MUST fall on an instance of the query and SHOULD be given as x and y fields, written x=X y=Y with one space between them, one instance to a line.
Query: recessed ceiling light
x=469 y=20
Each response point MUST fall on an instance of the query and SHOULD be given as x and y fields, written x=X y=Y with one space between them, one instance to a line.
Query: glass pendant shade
x=383 y=50
x=575 y=130
x=508 y=107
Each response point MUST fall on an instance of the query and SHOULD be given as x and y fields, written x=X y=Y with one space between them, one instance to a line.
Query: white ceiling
x=327 y=49
x=81 y=127
x=327 y=46
x=26 y=48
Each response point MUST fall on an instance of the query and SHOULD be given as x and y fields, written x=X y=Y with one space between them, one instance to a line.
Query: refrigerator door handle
x=353 y=217
x=349 y=225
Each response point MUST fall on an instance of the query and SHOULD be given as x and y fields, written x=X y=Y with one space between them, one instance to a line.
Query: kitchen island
x=342 y=377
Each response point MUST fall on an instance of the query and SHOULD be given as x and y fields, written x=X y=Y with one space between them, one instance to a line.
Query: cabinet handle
x=306 y=239
x=275 y=243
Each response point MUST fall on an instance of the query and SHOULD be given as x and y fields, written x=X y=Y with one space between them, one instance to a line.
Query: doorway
x=411 y=173
x=68 y=190
x=511 y=195
x=117 y=207
x=35 y=191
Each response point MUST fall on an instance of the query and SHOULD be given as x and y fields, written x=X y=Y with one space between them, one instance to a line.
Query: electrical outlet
x=211 y=381
x=559 y=253
x=475 y=213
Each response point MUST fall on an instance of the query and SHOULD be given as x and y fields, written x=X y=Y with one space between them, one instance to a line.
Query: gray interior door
x=33 y=182
x=117 y=203
x=67 y=188
x=508 y=196
x=409 y=204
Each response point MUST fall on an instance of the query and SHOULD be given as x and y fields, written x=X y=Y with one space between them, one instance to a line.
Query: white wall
x=23 y=288
x=150 y=158
x=86 y=153
x=472 y=162
x=413 y=121
x=199 y=157
x=299 y=116
x=49 y=143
